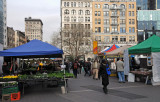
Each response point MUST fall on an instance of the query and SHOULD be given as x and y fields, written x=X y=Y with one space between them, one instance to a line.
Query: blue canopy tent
x=33 y=49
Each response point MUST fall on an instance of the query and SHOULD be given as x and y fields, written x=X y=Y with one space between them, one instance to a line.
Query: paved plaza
x=85 y=89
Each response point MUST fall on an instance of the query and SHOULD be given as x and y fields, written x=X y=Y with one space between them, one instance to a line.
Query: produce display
x=45 y=75
x=9 y=78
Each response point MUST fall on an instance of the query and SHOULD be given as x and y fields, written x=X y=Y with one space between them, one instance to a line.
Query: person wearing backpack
x=104 y=74
x=75 y=67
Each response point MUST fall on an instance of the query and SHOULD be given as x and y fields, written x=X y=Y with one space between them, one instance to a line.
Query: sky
x=46 y=10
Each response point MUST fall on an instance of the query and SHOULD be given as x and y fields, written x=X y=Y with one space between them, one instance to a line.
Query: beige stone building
x=20 y=38
x=34 y=28
x=10 y=37
x=73 y=14
x=114 y=22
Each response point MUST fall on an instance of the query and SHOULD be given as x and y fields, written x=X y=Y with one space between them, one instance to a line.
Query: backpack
x=75 y=65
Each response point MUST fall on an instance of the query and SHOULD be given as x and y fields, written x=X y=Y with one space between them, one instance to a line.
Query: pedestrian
x=95 y=68
x=87 y=68
x=5 y=68
x=120 y=70
x=104 y=75
x=75 y=67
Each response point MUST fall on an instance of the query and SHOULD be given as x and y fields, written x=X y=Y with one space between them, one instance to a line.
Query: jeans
x=121 y=76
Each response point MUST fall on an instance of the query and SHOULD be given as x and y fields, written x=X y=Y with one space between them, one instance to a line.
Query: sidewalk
x=85 y=89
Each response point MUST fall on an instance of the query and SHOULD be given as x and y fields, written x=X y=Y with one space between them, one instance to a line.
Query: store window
x=115 y=38
x=123 y=38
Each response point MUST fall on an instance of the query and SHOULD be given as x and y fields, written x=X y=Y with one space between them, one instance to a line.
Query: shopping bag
x=108 y=71
x=82 y=69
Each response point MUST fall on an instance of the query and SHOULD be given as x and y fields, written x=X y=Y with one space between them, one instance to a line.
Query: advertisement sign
x=95 y=47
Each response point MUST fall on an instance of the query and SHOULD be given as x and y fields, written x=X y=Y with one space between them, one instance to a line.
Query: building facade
x=10 y=37
x=114 y=22
x=5 y=23
x=73 y=14
x=34 y=28
x=148 y=23
x=20 y=38
x=1 y=23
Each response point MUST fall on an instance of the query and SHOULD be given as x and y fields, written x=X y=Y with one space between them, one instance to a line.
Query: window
x=80 y=12
x=65 y=4
x=131 y=38
x=122 y=13
x=85 y=19
x=130 y=30
x=88 y=19
x=87 y=12
x=88 y=4
x=96 y=29
x=114 y=6
x=99 y=6
x=132 y=13
x=74 y=4
x=133 y=30
x=129 y=21
x=95 y=20
x=129 y=6
x=114 y=21
x=73 y=12
x=99 y=21
x=133 y=21
x=106 y=13
x=114 y=29
x=99 y=13
x=106 y=6
x=106 y=21
x=115 y=38
x=123 y=38
x=122 y=30
x=66 y=34
x=81 y=4
x=106 y=29
x=66 y=11
x=129 y=13
x=122 y=6
x=74 y=19
x=95 y=5
x=85 y=4
x=122 y=21
x=106 y=39
x=71 y=4
x=99 y=29
x=133 y=6
x=95 y=13
x=98 y=38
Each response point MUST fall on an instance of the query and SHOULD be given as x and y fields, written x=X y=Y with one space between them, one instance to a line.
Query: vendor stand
x=151 y=48
x=34 y=49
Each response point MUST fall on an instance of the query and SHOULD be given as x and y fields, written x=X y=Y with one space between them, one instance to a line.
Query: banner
x=95 y=47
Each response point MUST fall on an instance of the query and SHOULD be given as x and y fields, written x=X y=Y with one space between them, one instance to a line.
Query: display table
x=146 y=74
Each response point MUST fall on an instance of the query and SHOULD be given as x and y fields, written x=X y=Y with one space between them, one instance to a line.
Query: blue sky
x=46 y=10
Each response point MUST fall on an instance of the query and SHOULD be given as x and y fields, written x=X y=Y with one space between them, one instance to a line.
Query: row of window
x=75 y=4
x=113 y=21
x=113 y=13
x=86 y=34
x=74 y=19
x=32 y=22
x=106 y=6
x=73 y=26
x=114 y=29
x=115 y=38
x=80 y=12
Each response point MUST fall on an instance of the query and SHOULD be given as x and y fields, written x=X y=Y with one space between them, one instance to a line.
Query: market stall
x=35 y=49
x=150 y=48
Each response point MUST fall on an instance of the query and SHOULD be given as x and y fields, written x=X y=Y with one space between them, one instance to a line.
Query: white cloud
x=46 y=10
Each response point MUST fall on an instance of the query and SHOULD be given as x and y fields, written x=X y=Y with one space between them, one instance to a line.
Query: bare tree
x=77 y=39
x=56 y=39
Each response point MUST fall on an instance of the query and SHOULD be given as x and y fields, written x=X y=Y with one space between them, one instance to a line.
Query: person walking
x=95 y=68
x=104 y=75
x=120 y=70
x=75 y=67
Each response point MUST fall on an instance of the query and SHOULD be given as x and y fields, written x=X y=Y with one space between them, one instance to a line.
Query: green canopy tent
x=150 y=46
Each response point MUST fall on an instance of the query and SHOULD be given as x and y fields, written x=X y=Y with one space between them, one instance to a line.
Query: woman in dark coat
x=104 y=75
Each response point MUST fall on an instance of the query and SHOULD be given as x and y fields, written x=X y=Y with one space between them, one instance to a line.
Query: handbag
x=108 y=71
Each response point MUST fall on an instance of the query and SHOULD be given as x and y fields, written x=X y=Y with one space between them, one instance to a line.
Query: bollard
x=63 y=89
